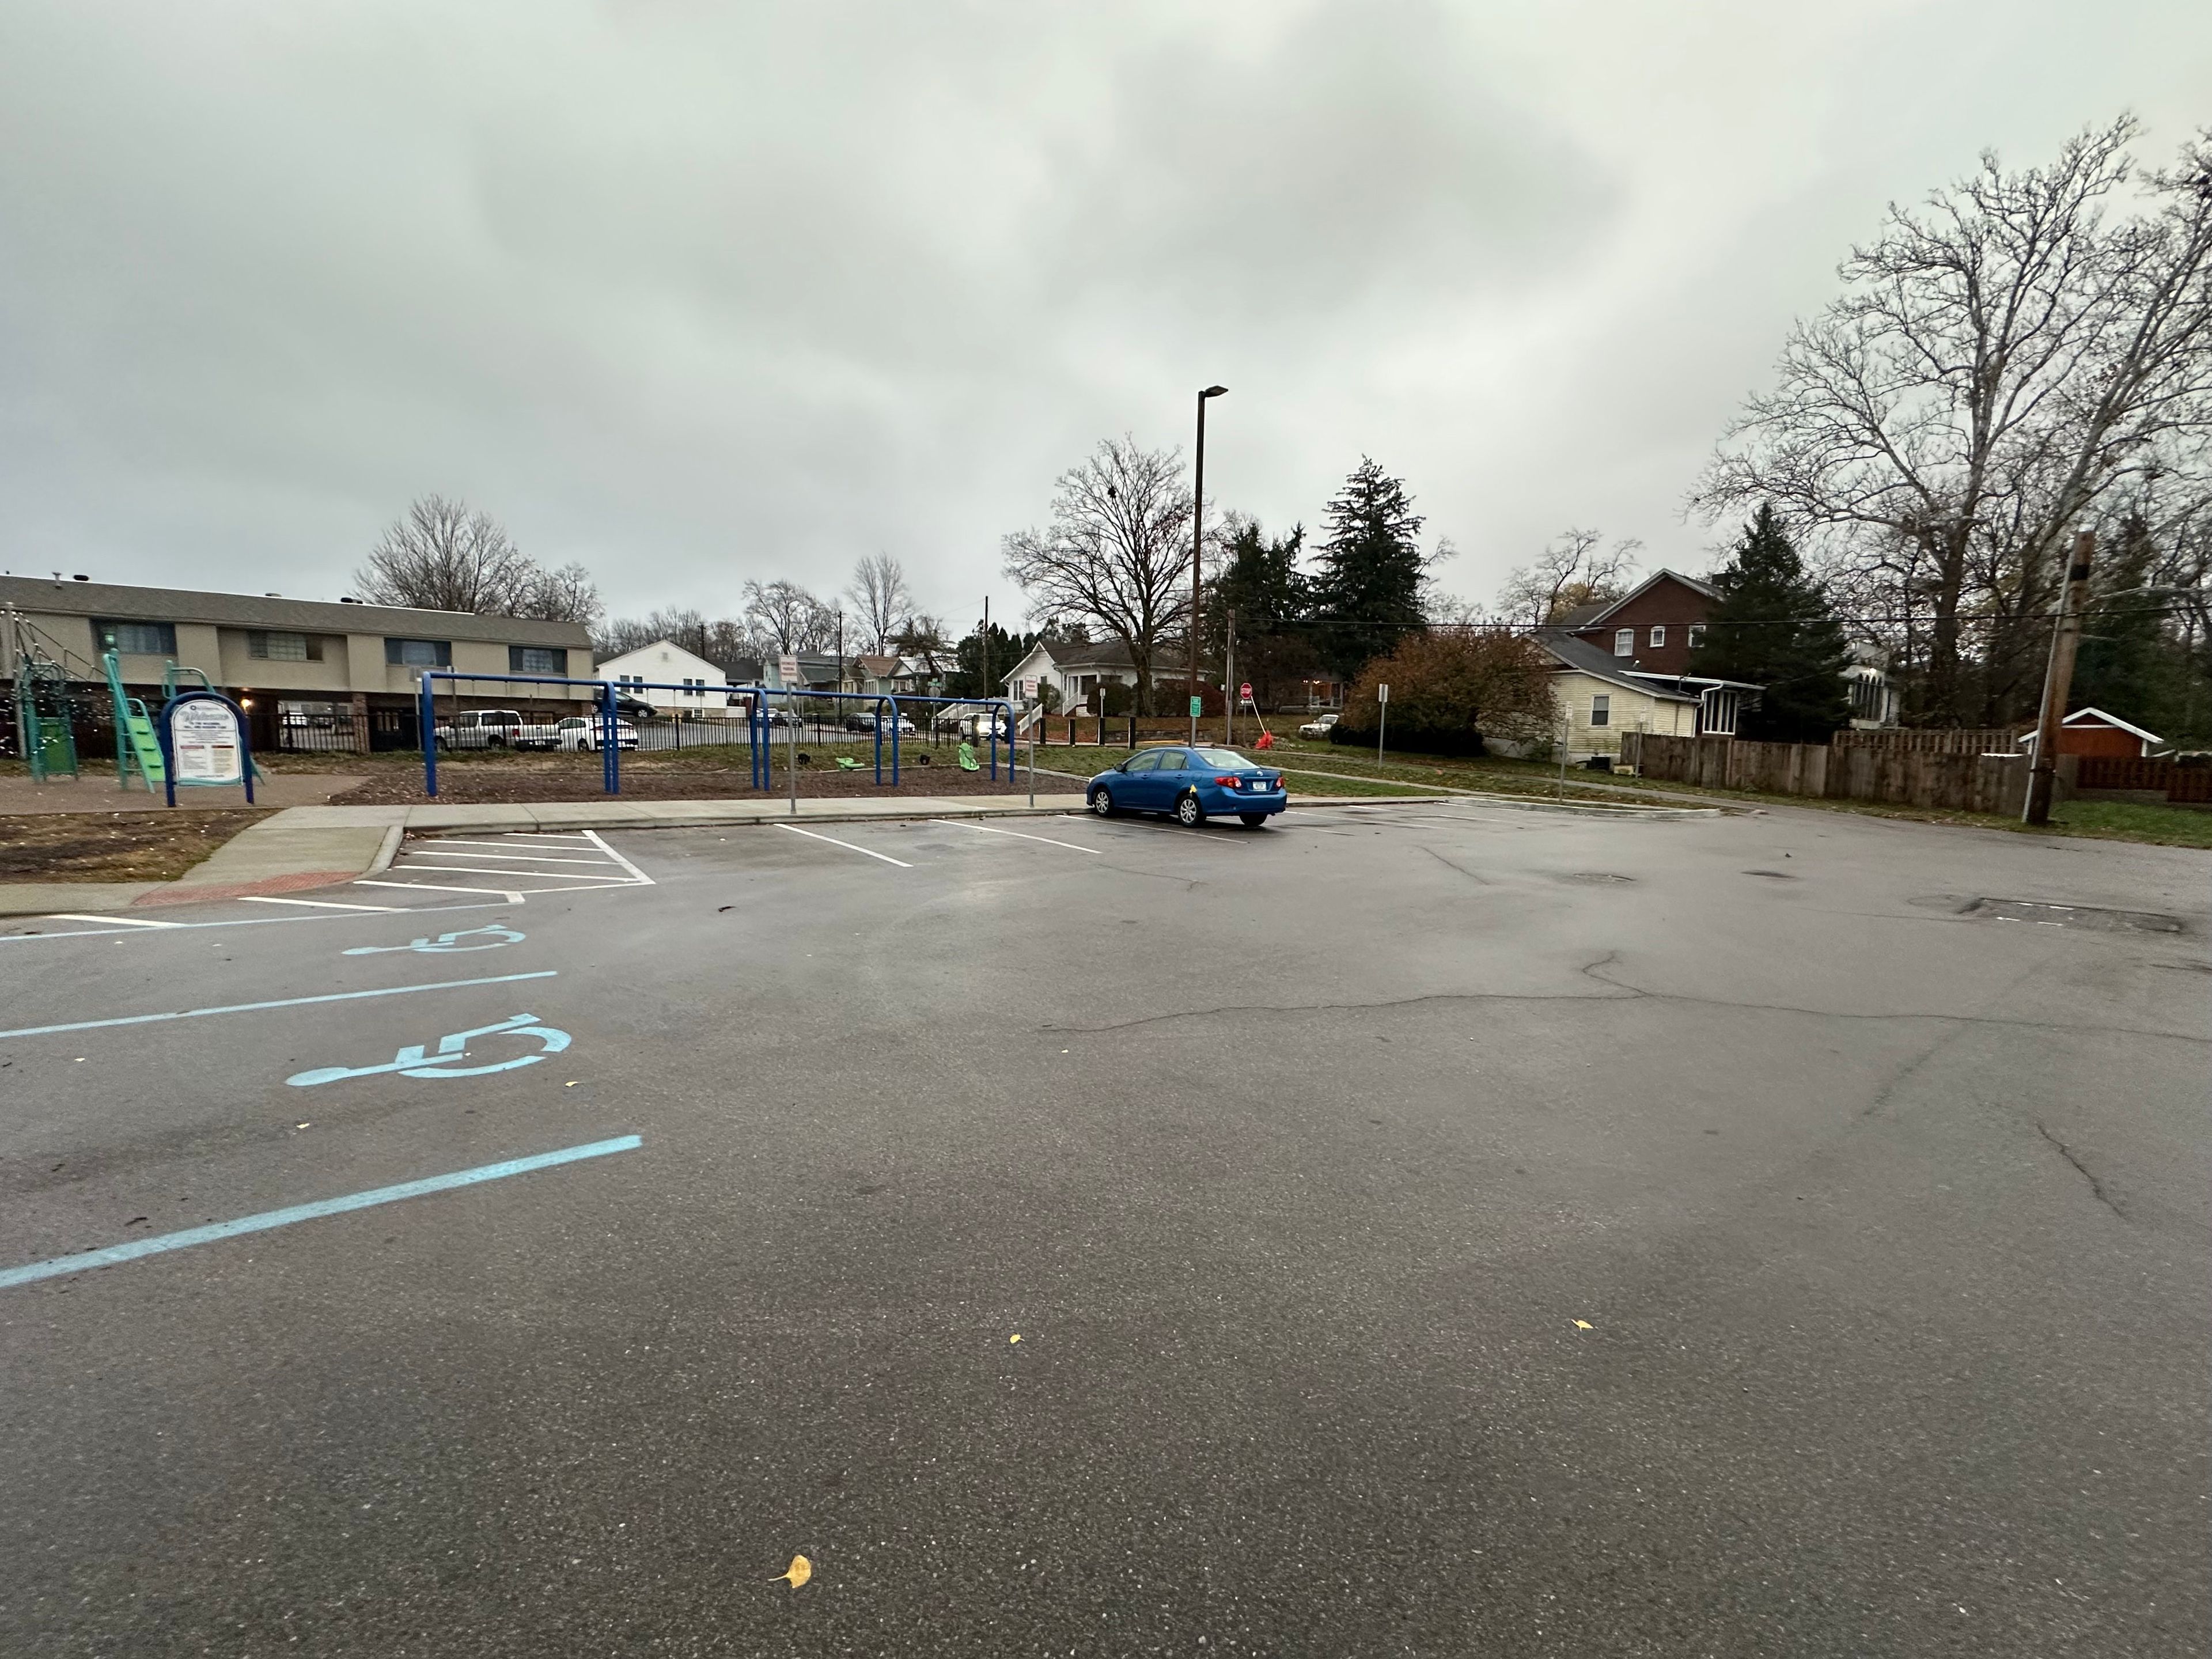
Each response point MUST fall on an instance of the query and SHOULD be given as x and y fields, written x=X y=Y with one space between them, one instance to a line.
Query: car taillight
x=1227 y=781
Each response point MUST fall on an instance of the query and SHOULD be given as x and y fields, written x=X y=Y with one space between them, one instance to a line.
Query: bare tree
x=1573 y=571
x=1116 y=553
x=446 y=555
x=786 y=618
x=567 y=594
x=2002 y=360
x=881 y=600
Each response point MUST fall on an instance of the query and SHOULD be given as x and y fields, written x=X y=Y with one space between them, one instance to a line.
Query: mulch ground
x=112 y=845
x=481 y=783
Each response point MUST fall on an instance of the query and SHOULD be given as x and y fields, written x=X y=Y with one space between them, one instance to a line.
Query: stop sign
x=1245 y=692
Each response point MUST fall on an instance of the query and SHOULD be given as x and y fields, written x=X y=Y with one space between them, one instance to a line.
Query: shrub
x=1448 y=688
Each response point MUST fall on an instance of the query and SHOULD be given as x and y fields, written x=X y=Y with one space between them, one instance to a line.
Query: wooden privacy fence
x=2178 y=783
x=1946 y=740
x=1905 y=777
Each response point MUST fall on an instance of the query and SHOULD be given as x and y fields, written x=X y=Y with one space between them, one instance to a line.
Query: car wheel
x=1102 y=802
x=1188 y=812
x=1253 y=820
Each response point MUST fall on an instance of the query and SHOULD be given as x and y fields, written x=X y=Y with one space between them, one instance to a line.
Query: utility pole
x=987 y=647
x=1197 y=544
x=1228 y=681
x=2059 y=680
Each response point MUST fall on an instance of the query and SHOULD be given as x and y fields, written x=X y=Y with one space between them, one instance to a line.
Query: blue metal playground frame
x=757 y=728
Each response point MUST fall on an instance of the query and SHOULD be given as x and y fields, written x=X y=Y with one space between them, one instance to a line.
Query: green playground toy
x=136 y=748
x=42 y=708
x=968 y=762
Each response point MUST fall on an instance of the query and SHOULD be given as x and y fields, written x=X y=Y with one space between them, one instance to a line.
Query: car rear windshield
x=1222 y=758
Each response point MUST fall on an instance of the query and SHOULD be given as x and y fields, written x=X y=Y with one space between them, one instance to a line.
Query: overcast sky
x=700 y=292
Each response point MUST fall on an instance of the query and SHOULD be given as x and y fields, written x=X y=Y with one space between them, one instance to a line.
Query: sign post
x=204 y=744
x=1381 y=718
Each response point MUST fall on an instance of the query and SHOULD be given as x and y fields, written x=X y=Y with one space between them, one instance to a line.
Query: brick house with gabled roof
x=1650 y=630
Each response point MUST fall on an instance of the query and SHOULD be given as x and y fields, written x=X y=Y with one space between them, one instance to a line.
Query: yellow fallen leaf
x=1585 y=1325
x=801 y=1570
x=1016 y=1337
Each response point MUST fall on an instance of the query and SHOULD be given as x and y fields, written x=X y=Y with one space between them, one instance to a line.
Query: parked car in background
x=869 y=721
x=493 y=728
x=1319 y=728
x=1191 y=784
x=583 y=732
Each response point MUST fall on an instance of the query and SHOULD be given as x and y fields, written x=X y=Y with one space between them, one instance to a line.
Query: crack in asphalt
x=2096 y=1187
x=1621 y=993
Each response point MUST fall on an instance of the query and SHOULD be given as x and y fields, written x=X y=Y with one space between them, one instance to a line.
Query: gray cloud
x=696 y=297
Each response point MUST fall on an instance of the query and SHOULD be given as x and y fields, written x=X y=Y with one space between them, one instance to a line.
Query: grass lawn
x=113 y=845
x=2124 y=820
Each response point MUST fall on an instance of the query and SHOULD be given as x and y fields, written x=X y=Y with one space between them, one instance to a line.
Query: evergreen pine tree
x=1773 y=628
x=1367 y=590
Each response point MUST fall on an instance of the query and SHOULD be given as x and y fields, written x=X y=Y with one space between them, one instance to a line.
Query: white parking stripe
x=121 y=921
x=438 y=848
x=865 y=852
x=478 y=870
x=1019 y=835
x=320 y=904
x=507 y=893
x=642 y=879
x=519 y=849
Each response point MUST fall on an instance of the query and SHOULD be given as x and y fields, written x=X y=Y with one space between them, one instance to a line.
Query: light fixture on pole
x=1197 y=546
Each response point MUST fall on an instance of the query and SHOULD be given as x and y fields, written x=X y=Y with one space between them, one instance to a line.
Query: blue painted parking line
x=281 y=1002
x=271 y=1218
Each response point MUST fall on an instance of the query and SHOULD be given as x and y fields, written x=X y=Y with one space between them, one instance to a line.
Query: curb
x=388 y=851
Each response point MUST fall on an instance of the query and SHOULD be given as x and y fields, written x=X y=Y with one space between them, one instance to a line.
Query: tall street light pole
x=1197 y=546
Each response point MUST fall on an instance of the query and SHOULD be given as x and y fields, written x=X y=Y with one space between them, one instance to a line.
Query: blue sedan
x=1193 y=784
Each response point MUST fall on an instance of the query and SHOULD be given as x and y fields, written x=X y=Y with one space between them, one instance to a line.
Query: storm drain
x=2075 y=915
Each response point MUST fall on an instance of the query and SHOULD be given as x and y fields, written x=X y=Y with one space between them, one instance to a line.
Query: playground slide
x=135 y=740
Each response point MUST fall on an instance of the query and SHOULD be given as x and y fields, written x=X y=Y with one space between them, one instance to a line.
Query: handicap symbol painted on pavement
x=487 y=938
x=414 y=1062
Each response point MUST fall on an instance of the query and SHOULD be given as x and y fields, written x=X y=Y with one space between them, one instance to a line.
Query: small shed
x=2093 y=732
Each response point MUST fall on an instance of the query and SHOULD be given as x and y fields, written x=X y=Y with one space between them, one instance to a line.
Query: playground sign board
x=203 y=738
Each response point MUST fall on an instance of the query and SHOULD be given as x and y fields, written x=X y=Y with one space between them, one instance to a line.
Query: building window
x=1601 y=711
x=1716 y=712
x=1696 y=636
x=1623 y=642
x=419 y=654
x=1658 y=635
x=264 y=646
x=536 y=660
x=138 y=639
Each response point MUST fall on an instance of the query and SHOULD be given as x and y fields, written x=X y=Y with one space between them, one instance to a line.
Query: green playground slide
x=135 y=741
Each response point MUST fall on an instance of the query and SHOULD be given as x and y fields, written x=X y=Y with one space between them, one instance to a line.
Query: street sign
x=1245 y=692
x=1028 y=690
x=788 y=670
x=1197 y=707
x=205 y=742
x=1383 y=694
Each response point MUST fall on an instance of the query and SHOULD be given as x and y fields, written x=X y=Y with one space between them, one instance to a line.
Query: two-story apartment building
x=353 y=671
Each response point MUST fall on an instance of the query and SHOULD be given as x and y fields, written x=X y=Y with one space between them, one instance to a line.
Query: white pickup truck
x=1319 y=728
x=493 y=728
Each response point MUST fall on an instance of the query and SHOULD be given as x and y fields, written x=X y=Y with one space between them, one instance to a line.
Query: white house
x=1603 y=698
x=1078 y=673
x=650 y=671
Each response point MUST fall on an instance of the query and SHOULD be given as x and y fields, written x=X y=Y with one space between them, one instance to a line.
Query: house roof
x=1644 y=586
x=1100 y=653
x=2098 y=716
x=114 y=601
x=689 y=656
x=879 y=668
x=1584 y=657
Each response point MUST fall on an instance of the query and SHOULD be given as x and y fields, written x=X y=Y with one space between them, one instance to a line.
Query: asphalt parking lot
x=1428 y=1230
